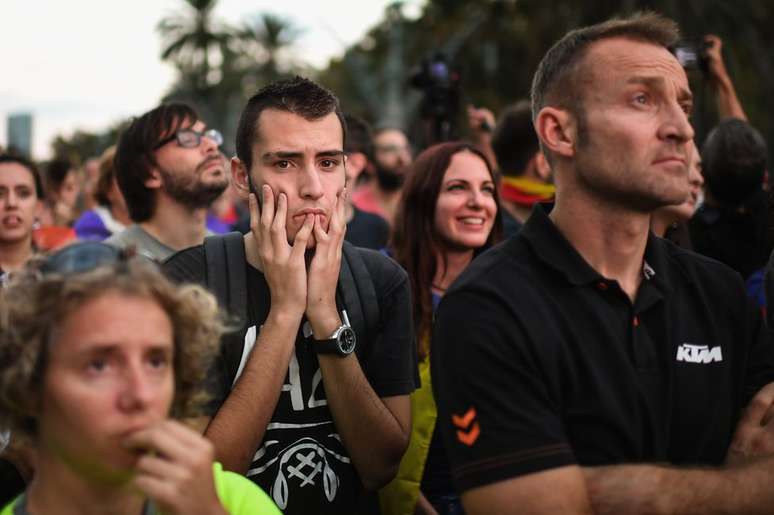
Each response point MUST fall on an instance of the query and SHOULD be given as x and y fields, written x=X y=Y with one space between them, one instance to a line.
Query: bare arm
x=728 y=103
x=238 y=427
x=561 y=490
x=375 y=431
x=641 y=489
x=743 y=486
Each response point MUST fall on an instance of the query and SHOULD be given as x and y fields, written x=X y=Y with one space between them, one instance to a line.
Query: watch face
x=347 y=340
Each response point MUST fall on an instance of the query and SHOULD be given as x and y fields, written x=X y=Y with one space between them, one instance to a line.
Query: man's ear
x=557 y=131
x=356 y=163
x=154 y=181
x=239 y=177
x=541 y=166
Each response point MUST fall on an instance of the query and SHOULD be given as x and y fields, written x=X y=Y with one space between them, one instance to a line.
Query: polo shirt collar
x=553 y=249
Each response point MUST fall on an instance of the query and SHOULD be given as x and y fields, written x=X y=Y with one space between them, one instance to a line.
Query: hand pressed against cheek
x=325 y=265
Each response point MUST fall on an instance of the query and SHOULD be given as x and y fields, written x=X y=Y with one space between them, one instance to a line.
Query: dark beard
x=191 y=192
x=388 y=180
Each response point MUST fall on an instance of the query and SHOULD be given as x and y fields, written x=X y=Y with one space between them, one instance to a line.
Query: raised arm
x=374 y=430
x=728 y=103
x=238 y=427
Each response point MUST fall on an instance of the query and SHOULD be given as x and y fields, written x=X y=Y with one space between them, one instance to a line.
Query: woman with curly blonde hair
x=97 y=350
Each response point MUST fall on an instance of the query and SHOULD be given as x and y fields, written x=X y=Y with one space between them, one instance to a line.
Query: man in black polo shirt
x=585 y=345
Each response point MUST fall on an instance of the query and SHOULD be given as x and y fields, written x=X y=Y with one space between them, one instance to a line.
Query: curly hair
x=33 y=306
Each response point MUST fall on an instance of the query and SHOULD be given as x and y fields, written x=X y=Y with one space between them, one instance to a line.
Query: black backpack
x=227 y=280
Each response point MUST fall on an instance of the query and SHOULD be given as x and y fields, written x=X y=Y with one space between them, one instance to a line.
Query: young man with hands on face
x=317 y=414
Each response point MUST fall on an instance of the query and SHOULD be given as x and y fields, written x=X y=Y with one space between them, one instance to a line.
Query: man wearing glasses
x=392 y=156
x=170 y=170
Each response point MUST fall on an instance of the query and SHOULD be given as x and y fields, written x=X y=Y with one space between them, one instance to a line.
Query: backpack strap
x=227 y=280
x=358 y=293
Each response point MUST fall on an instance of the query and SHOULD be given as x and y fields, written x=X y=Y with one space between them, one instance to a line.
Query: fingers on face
x=319 y=233
x=278 y=230
x=302 y=236
x=171 y=440
x=255 y=216
x=338 y=222
x=267 y=208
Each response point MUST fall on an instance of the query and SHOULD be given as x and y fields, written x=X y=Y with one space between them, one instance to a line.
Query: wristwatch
x=342 y=342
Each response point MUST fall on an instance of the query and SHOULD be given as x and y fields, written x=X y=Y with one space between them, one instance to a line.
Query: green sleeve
x=238 y=495
x=8 y=508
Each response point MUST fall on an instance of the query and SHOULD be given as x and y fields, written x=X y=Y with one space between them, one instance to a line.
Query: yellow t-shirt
x=237 y=494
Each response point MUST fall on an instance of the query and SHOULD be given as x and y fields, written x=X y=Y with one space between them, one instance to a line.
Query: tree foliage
x=496 y=45
x=220 y=65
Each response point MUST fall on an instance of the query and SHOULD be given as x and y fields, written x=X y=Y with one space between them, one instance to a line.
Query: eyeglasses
x=189 y=138
x=82 y=257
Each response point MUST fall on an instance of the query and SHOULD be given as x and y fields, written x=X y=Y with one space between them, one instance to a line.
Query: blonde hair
x=33 y=305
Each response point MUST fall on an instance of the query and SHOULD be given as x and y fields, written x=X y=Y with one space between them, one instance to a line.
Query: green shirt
x=237 y=494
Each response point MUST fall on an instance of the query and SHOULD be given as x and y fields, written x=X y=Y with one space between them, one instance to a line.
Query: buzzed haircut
x=359 y=136
x=299 y=96
x=734 y=162
x=557 y=79
x=135 y=154
x=514 y=141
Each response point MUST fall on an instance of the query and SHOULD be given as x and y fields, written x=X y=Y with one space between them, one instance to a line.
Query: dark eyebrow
x=330 y=153
x=465 y=181
x=281 y=155
x=296 y=154
x=658 y=82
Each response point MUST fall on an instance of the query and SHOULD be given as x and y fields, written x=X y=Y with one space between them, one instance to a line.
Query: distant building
x=20 y=133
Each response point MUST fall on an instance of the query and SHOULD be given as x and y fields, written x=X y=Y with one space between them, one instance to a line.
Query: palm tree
x=267 y=39
x=193 y=41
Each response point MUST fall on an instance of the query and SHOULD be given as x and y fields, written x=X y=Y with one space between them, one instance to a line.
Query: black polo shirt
x=538 y=361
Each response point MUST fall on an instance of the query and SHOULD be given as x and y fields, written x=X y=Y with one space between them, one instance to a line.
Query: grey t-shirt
x=144 y=243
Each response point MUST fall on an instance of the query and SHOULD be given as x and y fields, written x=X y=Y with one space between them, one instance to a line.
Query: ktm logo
x=467 y=427
x=690 y=353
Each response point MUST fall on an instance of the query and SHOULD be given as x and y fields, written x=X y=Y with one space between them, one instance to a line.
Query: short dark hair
x=559 y=71
x=514 y=141
x=359 y=136
x=56 y=172
x=734 y=159
x=299 y=96
x=135 y=154
x=30 y=166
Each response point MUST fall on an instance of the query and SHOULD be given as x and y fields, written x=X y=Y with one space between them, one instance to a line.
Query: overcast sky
x=88 y=63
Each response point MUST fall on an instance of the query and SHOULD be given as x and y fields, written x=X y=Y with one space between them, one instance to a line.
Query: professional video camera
x=440 y=85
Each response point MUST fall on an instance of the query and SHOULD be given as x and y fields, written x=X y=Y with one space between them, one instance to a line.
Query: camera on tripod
x=440 y=85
